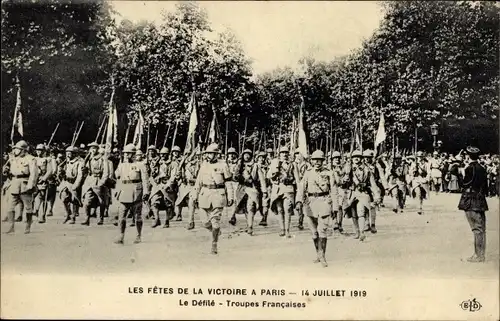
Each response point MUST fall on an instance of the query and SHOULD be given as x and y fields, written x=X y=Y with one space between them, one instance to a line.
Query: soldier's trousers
x=24 y=201
x=211 y=217
x=318 y=226
x=191 y=210
x=134 y=208
x=477 y=222
x=400 y=195
x=70 y=206
x=39 y=200
x=284 y=206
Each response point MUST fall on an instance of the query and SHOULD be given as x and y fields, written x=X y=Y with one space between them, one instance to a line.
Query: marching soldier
x=302 y=166
x=378 y=175
x=264 y=204
x=270 y=156
x=362 y=191
x=186 y=178
x=132 y=191
x=316 y=198
x=109 y=184
x=473 y=202
x=24 y=176
x=212 y=192
x=46 y=171
x=338 y=213
x=159 y=201
x=96 y=172
x=153 y=162
x=419 y=172
x=175 y=163
x=233 y=164
x=284 y=176
x=397 y=183
x=253 y=185
x=70 y=193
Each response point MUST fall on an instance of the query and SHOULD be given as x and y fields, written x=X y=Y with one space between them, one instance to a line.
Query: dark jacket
x=475 y=185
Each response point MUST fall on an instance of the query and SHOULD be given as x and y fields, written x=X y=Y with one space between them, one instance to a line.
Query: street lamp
x=434 y=133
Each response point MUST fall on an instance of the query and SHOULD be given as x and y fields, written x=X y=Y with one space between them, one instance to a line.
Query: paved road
x=407 y=245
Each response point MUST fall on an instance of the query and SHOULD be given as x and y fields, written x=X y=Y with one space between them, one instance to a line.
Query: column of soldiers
x=325 y=189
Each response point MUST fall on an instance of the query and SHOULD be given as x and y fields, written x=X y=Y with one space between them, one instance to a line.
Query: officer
x=212 y=192
x=46 y=170
x=96 y=172
x=234 y=165
x=473 y=202
x=24 y=172
x=71 y=191
x=362 y=191
x=338 y=214
x=419 y=172
x=316 y=199
x=133 y=190
x=264 y=204
x=284 y=176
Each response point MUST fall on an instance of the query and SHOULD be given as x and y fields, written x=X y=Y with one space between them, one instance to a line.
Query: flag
x=302 y=145
x=193 y=124
x=17 y=122
x=293 y=135
x=139 y=131
x=212 y=134
x=380 y=137
x=111 y=133
x=357 y=136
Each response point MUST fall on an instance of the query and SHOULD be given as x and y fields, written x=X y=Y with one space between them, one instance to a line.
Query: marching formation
x=324 y=189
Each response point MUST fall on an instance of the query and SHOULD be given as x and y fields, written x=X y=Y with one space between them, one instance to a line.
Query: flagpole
x=17 y=109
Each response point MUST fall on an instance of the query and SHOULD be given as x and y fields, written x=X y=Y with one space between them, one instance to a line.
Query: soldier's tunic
x=92 y=189
x=187 y=180
x=397 y=184
x=435 y=172
x=316 y=192
x=252 y=181
x=238 y=193
x=362 y=191
x=132 y=184
x=46 y=170
x=24 y=176
x=70 y=188
x=212 y=191
x=265 y=200
x=419 y=172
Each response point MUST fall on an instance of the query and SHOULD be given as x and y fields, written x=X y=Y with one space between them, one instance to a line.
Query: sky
x=279 y=33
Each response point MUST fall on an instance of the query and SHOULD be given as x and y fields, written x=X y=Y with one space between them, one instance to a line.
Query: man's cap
x=269 y=150
x=335 y=154
x=247 y=151
x=232 y=150
x=261 y=154
x=21 y=145
x=139 y=152
x=357 y=153
x=318 y=154
x=212 y=148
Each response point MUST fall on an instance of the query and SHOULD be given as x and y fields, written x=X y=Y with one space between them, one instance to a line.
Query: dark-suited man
x=473 y=202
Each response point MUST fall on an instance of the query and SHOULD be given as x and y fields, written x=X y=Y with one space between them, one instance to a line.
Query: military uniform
x=316 y=193
x=419 y=172
x=302 y=167
x=265 y=200
x=24 y=173
x=283 y=176
x=212 y=193
x=132 y=189
x=378 y=175
x=175 y=164
x=70 y=188
x=97 y=173
x=473 y=202
x=46 y=171
x=234 y=166
x=338 y=213
x=397 y=183
x=186 y=180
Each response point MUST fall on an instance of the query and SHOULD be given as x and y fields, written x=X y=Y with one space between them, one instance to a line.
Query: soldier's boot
x=123 y=226
x=167 y=223
x=420 y=210
x=301 y=222
x=288 y=222
x=355 y=225
x=373 y=217
x=102 y=212
x=19 y=218
x=156 y=222
x=340 y=218
x=178 y=213
x=88 y=212
x=138 y=226
x=67 y=210
x=215 y=239
x=10 y=219
x=74 y=213
x=362 y=221
x=232 y=221
x=263 y=221
x=479 y=248
x=190 y=226
x=50 y=211
x=366 y=227
x=250 y=217
x=29 y=221
x=281 y=217
x=5 y=219
x=316 y=246
x=156 y=216
x=323 y=241
x=319 y=250
x=132 y=224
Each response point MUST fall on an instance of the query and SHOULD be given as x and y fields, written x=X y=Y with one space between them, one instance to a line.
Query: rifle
x=166 y=136
x=244 y=136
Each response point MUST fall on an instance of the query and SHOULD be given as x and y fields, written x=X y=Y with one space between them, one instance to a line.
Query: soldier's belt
x=22 y=176
x=131 y=181
x=213 y=186
x=322 y=194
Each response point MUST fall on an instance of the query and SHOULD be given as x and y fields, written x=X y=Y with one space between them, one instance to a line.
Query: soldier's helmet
x=164 y=150
x=397 y=156
x=212 y=148
x=420 y=154
x=82 y=146
x=40 y=147
x=176 y=149
x=152 y=147
x=435 y=153
x=231 y=150
x=247 y=151
x=318 y=154
x=335 y=154
x=139 y=152
x=130 y=148
x=70 y=149
x=269 y=150
x=368 y=153
x=261 y=154
x=93 y=144
x=284 y=149
x=21 y=145
x=356 y=153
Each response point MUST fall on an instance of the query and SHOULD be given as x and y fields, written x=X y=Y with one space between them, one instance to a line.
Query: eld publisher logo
x=471 y=305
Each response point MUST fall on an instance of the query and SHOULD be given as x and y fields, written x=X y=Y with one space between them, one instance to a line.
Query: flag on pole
x=357 y=136
x=139 y=131
x=193 y=124
x=302 y=145
x=212 y=135
x=381 y=136
x=17 y=122
x=111 y=133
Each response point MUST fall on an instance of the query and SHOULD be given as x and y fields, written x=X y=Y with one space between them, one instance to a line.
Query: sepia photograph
x=238 y=160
